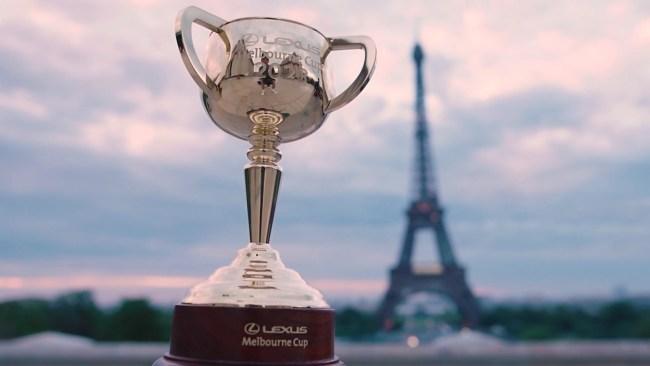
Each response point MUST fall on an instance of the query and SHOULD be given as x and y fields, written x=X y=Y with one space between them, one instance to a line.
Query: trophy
x=266 y=81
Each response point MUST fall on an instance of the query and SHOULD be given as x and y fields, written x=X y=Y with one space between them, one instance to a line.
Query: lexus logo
x=251 y=328
x=250 y=39
x=254 y=329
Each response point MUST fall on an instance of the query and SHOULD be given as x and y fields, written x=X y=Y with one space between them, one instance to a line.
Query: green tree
x=353 y=323
x=75 y=313
x=23 y=317
x=136 y=320
x=617 y=320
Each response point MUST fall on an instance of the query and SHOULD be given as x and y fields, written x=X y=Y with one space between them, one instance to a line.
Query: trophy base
x=236 y=336
x=165 y=361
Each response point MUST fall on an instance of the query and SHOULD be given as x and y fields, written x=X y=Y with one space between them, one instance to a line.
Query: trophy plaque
x=266 y=81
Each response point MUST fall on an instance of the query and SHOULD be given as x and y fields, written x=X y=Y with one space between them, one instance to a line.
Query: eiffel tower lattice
x=425 y=213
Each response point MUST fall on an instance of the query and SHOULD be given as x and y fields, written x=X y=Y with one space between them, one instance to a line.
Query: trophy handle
x=184 y=21
x=350 y=43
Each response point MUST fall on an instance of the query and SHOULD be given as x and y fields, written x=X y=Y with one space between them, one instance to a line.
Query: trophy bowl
x=268 y=68
x=264 y=80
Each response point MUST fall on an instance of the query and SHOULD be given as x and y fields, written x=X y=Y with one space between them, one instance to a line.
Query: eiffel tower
x=425 y=213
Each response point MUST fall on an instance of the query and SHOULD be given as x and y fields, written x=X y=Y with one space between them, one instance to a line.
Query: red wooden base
x=236 y=336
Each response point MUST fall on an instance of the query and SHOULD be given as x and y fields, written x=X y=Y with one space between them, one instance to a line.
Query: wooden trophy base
x=237 y=336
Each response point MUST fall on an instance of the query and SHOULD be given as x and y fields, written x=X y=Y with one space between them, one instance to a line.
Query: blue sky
x=115 y=179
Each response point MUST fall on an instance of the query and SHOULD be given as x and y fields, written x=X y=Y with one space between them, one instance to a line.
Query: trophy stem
x=262 y=174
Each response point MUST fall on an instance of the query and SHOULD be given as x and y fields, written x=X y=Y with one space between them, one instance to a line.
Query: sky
x=114 y=179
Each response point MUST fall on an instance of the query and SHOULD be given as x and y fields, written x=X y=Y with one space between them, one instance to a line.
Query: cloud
x=21 y=101
x=539 y=126
x=153 y=129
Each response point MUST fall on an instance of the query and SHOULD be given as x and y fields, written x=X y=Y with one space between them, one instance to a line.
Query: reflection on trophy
x=265 y=80
x=241 y=63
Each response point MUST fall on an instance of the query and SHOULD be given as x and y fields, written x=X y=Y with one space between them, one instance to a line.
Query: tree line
x=141 y=321
x=77 y=313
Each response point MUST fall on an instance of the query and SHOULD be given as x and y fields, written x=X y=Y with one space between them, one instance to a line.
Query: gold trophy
x=266 y=81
